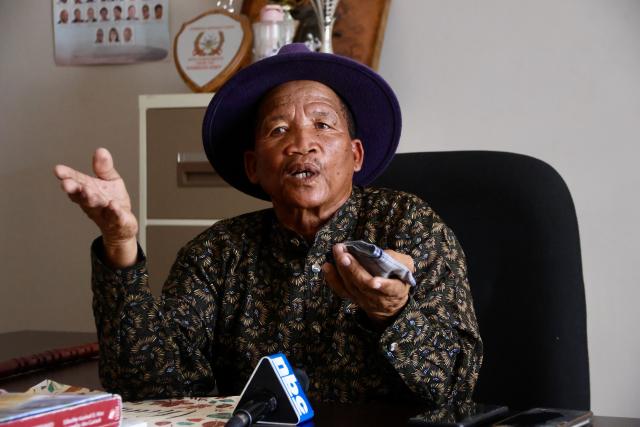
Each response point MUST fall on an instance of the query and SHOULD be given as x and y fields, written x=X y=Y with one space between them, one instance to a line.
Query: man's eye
x=322 y=125
x=279 y=130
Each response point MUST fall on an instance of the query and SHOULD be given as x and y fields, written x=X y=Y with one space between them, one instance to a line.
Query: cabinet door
x=163 y=244
x=203 y=195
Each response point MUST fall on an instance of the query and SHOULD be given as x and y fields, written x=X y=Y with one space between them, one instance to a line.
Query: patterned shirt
x=248 y=287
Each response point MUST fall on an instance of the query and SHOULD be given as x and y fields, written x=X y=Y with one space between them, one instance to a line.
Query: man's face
x=304 y=157
x=117 y=13
x=158 y=12
x=145 y=11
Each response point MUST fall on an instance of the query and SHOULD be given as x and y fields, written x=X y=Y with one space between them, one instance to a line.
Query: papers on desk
x=185 y=412
x=60 y=410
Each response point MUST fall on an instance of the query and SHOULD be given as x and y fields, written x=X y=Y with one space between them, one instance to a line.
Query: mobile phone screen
x=548 y=417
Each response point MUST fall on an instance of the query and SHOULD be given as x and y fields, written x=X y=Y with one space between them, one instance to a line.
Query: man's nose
x=303 y=140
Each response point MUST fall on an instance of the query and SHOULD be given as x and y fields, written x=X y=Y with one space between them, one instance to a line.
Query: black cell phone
x=377 y=262
x=548 y=417
x=463 y=415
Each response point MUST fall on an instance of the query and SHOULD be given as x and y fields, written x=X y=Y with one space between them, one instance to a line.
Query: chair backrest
x=517 y=225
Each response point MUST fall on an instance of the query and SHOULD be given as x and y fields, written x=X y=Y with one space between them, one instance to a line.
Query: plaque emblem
x=211 y=47
x=208 y=44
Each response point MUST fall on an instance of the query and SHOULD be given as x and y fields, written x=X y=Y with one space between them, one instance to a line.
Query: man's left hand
x=382 y=299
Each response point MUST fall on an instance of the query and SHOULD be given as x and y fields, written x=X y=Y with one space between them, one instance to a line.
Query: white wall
x=556 y=79
x=48 y=115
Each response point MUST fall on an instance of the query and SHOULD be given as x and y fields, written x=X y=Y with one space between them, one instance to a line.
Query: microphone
x=275 y=393
x=254 y=410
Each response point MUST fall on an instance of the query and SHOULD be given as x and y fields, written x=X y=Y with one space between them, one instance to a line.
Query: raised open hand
x=104 y=198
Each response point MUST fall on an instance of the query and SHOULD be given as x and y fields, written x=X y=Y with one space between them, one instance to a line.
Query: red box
x=103 y=410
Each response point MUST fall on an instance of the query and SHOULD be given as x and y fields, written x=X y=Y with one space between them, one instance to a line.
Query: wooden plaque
x=211 y=47
x=359 y=29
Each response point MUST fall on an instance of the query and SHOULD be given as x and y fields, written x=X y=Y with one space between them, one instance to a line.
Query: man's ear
x=358 y=154
x=250 y=166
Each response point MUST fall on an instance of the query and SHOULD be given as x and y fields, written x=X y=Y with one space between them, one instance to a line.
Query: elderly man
x=299 y=129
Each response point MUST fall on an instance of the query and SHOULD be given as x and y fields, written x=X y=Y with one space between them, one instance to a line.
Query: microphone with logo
x=274 y=394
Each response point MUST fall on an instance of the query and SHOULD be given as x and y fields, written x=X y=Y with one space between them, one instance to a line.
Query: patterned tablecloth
x=192 y=412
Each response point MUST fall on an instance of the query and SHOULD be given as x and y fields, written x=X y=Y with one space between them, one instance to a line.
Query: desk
x=24 y=343
x=85 y=374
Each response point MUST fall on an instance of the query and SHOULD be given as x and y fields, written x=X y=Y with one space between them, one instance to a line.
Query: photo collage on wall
x=110 y=31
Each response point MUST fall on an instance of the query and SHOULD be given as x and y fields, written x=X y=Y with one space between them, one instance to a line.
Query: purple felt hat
x=228 y=128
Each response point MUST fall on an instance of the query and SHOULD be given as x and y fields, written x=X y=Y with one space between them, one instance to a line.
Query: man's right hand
x=106 y=201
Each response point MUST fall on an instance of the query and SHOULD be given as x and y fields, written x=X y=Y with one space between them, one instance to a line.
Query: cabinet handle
x=194 y=170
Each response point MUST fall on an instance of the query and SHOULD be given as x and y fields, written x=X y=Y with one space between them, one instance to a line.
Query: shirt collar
x=340 y=227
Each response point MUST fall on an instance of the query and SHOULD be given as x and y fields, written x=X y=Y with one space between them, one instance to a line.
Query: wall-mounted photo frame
x=88 y=32
x=211 y=47
x=358 y=32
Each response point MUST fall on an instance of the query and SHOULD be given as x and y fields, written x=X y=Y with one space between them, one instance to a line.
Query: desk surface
x=85 y=374
x=26 y=343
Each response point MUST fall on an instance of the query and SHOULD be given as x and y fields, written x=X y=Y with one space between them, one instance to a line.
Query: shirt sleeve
x=434 y=344
x=152 y=347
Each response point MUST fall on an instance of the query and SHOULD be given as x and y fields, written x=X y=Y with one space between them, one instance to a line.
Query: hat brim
x=228 y=127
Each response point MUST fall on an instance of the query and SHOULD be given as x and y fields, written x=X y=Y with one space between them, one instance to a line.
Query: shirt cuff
x=403 y=328
x=128 y=275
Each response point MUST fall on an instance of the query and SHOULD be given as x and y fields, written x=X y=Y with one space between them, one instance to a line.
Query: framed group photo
x=110 y=31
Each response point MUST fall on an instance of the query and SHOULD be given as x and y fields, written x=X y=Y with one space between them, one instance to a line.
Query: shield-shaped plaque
x=211 y=47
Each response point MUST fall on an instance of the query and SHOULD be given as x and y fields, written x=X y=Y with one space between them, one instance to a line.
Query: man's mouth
x=302 y=172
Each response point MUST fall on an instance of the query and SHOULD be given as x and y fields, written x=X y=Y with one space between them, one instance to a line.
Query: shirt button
x=316 y=268
x=393 y=346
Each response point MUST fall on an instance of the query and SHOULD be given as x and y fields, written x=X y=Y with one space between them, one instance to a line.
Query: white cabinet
x=180 y=194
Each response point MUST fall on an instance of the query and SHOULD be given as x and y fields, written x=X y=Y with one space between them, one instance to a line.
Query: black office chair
x=516 y=221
